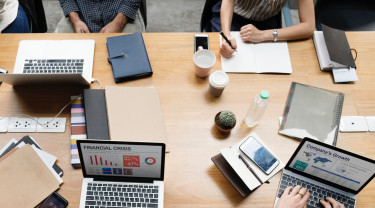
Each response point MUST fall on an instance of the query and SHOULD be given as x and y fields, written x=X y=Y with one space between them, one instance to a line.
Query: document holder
x=237 y=171
x=128 y=57
x=230 y=174
x=332 y=49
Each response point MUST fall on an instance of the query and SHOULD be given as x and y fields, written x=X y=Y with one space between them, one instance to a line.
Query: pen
x=226 y=39
x=251 y=170
x=82 y=31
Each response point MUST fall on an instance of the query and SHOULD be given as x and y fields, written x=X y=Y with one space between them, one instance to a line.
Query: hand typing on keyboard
x=334 y=203
x=298 y=197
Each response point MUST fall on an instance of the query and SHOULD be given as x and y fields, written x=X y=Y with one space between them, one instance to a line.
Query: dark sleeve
x=129 y=8
x=68 y=6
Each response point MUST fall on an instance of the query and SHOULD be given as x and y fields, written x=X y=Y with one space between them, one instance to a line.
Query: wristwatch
x=274 y=35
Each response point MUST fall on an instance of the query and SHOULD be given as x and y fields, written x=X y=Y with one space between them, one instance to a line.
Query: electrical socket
x=22 y=124
x=51 y=124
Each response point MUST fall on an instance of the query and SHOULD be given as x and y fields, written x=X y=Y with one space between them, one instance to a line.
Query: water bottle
x=256 y=110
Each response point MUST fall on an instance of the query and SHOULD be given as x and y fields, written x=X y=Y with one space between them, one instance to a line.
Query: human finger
x=295 y=190
x=302 y=191
x=333 y=202
x=248 y=26
x=306 y=197
x=234 y=43
x=225 y=51
x=287 y=190
x=325 y=204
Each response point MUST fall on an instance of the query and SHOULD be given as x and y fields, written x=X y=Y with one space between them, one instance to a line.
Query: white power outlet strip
x=51 y=124
x=22 y=124
x=4 y=122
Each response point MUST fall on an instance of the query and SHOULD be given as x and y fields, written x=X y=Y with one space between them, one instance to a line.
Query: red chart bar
x=101 y=162
x=96 y=160
x=111 y=163
x=115 y=164
x=91 y=160
x=105 y=162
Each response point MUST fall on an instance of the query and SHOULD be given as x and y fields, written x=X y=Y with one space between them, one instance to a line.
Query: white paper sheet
x=272 y=57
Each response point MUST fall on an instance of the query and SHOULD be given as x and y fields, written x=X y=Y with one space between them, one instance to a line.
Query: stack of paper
x=28 y=175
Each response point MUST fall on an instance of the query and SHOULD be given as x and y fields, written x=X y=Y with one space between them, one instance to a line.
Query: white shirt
x=8 y=12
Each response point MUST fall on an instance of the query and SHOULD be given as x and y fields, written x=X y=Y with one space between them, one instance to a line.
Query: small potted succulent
x=225 y=121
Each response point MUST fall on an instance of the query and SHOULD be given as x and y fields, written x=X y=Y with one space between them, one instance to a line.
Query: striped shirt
x=98 y=13
x=258 y=10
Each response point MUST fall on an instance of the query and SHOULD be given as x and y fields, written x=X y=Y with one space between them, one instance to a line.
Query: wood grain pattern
x=191 y=179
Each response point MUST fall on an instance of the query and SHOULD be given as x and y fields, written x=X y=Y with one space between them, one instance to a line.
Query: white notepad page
x=271 y=57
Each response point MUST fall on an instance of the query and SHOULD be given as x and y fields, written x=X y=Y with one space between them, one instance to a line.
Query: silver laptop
x=52 y=62
x=121 y=174
x=326 y=171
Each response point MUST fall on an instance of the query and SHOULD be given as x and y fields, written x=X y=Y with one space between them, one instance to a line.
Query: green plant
x=227 y=119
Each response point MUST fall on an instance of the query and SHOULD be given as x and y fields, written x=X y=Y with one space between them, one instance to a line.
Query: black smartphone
x=55 y=200
x=254 y=150
x=201 y=40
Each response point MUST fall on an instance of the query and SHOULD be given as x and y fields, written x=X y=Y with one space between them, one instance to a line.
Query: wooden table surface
x=191 y=179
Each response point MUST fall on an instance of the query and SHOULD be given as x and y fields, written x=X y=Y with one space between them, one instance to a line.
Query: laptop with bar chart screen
x=121 y=174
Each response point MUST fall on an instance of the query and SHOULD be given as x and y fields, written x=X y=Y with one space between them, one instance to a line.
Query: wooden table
x=191 y=179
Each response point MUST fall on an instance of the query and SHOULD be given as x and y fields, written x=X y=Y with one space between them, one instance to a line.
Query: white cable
x=79 y=96
x=99 y=82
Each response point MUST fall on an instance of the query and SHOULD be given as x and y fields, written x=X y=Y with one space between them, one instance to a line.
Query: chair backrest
x=143 y=9
x=205 y=24
x=347 y=15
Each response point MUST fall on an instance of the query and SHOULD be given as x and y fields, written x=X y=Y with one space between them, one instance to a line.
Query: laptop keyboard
x=51 y=66
x=317 y=192
x=108 y=195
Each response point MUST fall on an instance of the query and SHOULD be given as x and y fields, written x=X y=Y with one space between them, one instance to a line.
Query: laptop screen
x=122 y=159
x=334 y=166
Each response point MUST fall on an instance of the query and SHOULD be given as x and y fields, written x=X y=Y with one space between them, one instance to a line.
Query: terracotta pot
x=221 y=130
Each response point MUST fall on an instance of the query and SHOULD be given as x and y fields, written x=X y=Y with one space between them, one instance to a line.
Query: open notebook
x=257 y=57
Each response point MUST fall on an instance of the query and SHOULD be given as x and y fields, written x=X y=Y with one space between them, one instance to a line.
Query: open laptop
x=327 y=171
x=52 y=62
x=121 y=174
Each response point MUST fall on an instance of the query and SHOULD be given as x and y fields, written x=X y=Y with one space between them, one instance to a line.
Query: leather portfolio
x=128 y=57
x=96 y=114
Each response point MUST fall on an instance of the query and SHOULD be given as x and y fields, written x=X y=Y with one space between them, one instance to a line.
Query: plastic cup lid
x=264 y=94
x=219 y=79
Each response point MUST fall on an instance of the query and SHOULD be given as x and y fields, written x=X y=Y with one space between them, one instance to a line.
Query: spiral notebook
x=312 y=112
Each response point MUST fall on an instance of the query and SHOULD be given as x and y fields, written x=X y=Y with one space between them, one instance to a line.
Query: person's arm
x=226 y=15
x=70 y=9
x=304 y=29
x=126 y=12
x=78 y=24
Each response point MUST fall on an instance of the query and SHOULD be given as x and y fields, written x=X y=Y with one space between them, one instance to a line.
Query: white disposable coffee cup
x=218 y=81
x=203 y=60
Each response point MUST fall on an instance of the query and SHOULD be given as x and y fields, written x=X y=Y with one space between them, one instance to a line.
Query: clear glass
x=256 y=111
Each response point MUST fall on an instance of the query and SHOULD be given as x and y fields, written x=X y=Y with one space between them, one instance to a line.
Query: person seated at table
x=13 y=18
x=257 y=20
x=105 y=16
x=298 y=197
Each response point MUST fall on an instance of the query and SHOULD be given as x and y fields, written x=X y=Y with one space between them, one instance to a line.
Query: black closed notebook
x=96 y=114
x=128 y=57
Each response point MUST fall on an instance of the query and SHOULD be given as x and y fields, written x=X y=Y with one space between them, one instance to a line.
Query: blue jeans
x=20 y=24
